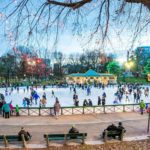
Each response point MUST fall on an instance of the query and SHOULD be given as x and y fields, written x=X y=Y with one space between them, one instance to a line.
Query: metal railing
x=35 y=111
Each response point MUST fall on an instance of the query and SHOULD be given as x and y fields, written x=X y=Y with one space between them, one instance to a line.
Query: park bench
x=113 y=133
x=12 y=138
x=65 y=137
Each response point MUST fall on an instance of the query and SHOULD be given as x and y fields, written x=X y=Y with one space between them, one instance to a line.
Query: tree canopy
x=147 y=67
x=114 y=68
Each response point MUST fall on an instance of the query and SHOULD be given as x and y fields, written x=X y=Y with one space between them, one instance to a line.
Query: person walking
x=57 y=108
x=142 y=106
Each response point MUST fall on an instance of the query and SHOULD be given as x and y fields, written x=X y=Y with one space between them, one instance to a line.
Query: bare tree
x=29 y=19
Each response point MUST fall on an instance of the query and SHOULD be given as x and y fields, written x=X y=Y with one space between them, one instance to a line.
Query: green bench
x=113 y=134
x=12 y=138
x=65 y=137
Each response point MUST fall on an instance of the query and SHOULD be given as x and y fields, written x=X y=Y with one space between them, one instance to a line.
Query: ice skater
x=88 y=91
x=53 y=94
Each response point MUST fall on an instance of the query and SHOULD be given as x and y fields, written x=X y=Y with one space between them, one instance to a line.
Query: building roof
x=89 y=73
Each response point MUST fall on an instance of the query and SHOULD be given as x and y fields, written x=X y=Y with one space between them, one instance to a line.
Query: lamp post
x=148 y=120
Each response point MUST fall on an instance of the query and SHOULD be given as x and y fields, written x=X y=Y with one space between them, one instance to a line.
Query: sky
x=70 y=39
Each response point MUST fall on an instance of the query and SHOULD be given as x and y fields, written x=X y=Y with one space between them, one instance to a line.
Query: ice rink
x=65 y=96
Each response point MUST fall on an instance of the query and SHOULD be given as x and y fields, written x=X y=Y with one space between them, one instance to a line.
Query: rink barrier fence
x=46 y=111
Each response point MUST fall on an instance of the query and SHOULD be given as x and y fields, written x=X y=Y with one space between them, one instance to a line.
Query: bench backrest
x=69 y=135
x=12 y=137
x=77 y=134
x=54 y=135
x=1 y=137
x=9 y=137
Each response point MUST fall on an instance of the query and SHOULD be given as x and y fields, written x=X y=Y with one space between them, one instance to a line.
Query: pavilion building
x=91 y=76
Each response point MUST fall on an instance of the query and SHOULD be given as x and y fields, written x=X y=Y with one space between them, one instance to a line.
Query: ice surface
x=65 y=96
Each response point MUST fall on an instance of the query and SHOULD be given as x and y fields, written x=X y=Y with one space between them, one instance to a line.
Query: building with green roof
x=91 y=76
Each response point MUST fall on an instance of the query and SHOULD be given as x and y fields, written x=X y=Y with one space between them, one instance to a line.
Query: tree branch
x=144 y=2
x=74 y=5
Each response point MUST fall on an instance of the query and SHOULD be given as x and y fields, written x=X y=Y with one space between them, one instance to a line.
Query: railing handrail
x=79 y=106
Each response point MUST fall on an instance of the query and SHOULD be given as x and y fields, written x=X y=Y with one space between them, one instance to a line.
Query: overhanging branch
x=73 y=5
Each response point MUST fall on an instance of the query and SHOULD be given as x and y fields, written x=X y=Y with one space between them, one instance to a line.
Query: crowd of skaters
x=7 y=109
x=123 y=90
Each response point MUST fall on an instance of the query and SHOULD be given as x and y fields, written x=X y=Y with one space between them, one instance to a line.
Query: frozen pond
x=65 y=96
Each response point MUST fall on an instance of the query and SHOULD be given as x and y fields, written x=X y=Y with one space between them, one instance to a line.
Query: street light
x=129 y=65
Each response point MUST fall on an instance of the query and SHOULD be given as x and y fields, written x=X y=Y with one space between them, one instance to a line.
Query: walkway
x=93 y=124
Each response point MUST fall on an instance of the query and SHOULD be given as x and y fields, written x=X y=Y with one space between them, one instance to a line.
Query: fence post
x=72 y=110
x=93 y=109
x=104 y=109
x=28 y=112
x=133 y=107
x=83 y=109
x=61 y=111
x=39 y=111
x=50 y=109
x=123 y=108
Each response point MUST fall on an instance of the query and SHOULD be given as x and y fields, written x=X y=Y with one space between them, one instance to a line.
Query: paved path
x=93 y=124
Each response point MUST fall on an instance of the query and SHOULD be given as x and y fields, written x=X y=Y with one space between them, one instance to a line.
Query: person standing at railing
x=90 y=102
x=17 y=110
x=43 y=101
x=99 y=100
x=57 y=108
x=85 y=103
x=142 y=106
x=103 y=101
x=6 y=110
